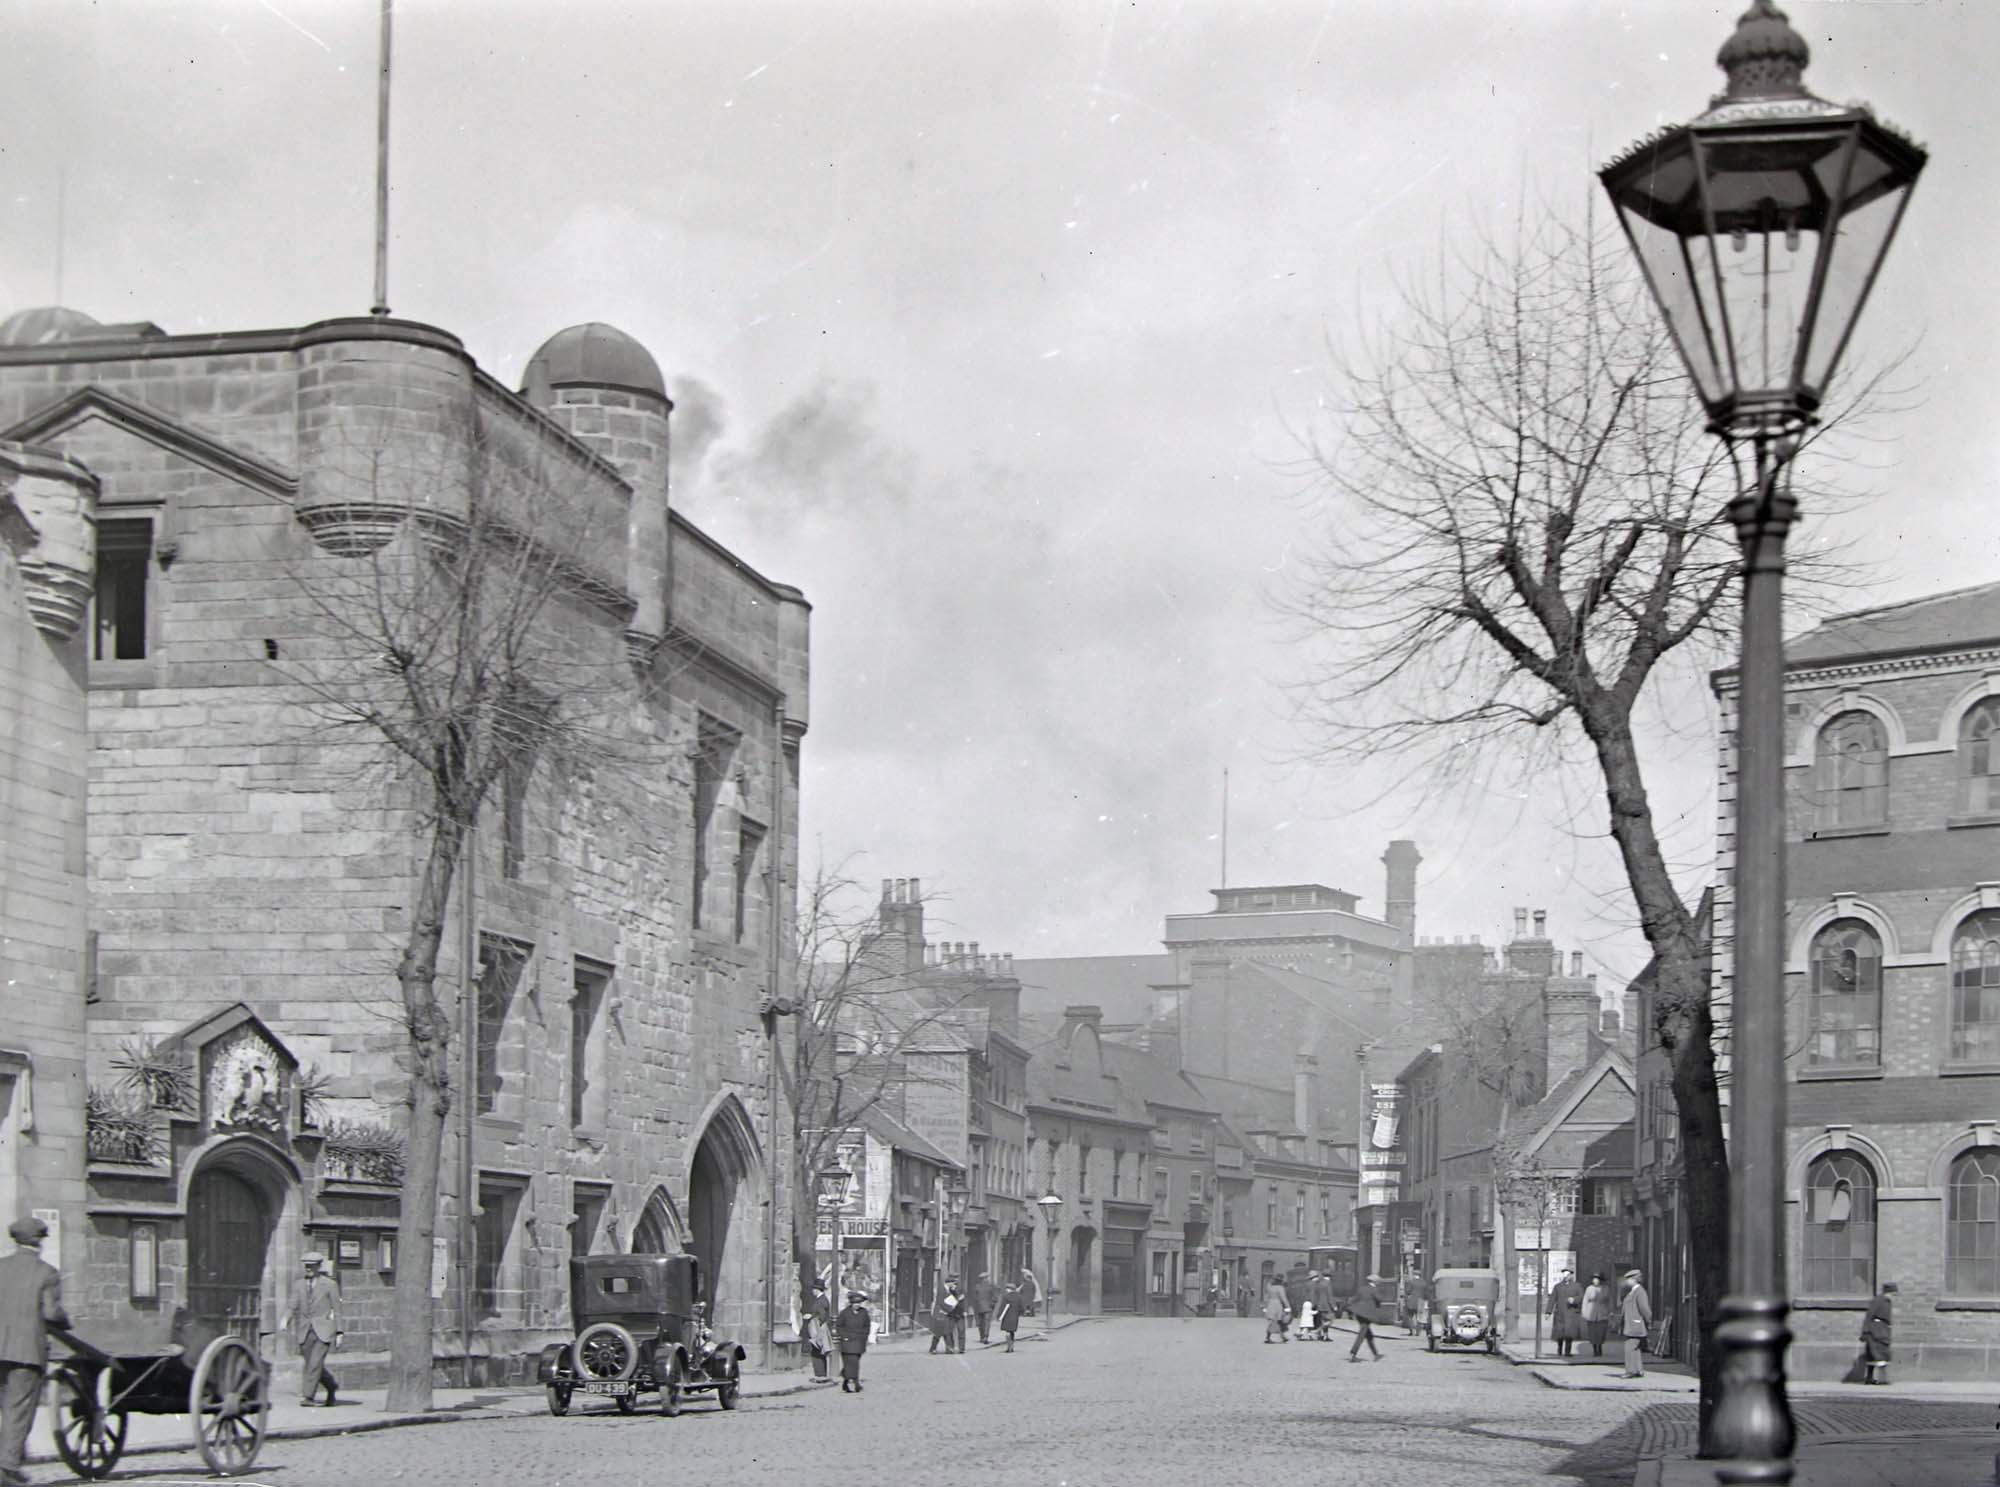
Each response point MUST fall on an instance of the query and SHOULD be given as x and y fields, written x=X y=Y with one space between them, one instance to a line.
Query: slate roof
x=1946 y=621
x=1121 y=984
x=1153 y=1082
x=892 y=1131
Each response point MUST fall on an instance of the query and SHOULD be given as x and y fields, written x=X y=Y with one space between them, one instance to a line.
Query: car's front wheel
x=670 y=1387
x=726 y=1391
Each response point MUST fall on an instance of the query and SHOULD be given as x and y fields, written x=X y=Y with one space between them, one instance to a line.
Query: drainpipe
x=468 y=1037
x=776 y=901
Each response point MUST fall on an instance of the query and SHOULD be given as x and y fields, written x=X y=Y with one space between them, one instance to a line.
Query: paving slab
x=1928 y=1459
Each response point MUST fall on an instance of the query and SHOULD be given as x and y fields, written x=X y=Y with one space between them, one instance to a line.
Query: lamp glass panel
x=1859 y=243
x=1770 y=208
x=1674 y=275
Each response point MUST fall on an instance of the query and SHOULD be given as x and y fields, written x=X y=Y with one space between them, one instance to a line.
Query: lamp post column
x=1753 y=1418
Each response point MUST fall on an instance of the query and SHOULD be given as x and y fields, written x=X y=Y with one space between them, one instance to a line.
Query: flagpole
x=381 y=306
x=1225 y=827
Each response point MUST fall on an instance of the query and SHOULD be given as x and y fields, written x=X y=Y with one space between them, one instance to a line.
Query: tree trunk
x=429 y=1103
x=1503 y=1231
x=1684 y=1026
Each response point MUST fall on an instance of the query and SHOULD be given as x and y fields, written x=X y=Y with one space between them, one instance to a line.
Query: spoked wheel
x=726 y=1391
x=89 y=1437
x=558 y=1399
x=670 y=1387
x=230 y=1404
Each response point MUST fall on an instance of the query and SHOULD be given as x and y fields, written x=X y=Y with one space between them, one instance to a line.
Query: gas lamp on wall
x=832 y=1184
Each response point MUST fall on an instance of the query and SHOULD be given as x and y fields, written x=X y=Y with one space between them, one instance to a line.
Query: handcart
x=179 y=1367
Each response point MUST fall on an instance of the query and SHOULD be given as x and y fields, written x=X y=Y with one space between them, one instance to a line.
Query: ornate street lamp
x=1760 y=228
x=831 y=1184
x=1051 y=1207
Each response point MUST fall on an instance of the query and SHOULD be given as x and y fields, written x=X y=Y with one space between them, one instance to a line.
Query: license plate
x=608 y=1386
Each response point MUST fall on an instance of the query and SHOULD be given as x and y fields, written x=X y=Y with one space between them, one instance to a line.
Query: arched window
x=1846 y=1006
x=1972 y=1226
x=1975 y=989
x=1840 y=1227
x=1979 y=759
x=1853 y=771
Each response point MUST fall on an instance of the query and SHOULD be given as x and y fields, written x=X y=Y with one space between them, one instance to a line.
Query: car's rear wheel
x=558 y=1399
x=606 y=1351
x=726 y=1391
x=670 y=1387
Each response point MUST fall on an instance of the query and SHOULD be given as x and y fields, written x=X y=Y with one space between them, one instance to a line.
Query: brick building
x=244 y=887
x=1565 y=1156
x=1892 y=978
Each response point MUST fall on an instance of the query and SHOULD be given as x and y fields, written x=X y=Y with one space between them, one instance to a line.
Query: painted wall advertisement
x=1382 y=1154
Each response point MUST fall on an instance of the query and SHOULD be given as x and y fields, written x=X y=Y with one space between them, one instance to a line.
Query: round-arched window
x=1846 y=1002
x=1840 y=1227
x=1972 y=1225
x=1853 y=771
x=1979 y=758
x=1975 y=989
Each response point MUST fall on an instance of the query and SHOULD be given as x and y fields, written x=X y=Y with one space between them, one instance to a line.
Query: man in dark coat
x=1367 y=1308
x=1876 y=1329
x=948 y=1320
x=1566 y=1308
x=30 y=1304
x=1320 y=1293
x=851 y=1331
x=1012 y=1304
x=984 y=1298
x=819 y=1329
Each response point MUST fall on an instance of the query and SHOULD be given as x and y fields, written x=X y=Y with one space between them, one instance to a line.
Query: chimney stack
x=1305 y=1074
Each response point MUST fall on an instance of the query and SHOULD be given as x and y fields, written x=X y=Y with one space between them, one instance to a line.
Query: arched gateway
x=725 y=1217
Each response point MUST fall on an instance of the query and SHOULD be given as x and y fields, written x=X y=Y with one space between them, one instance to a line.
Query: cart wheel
x=230 y=1403
x=558 y=1400
x=670 y=1387
x=89 y=1437
x=726 y=1391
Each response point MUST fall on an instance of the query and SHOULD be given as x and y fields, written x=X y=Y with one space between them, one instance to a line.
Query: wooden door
x=229 y=1230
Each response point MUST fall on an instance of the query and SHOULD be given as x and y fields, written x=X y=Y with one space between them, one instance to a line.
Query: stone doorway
x=724 y=1213
x=229 y=1227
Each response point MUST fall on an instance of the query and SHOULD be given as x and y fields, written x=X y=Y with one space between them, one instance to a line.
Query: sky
x=999 y=329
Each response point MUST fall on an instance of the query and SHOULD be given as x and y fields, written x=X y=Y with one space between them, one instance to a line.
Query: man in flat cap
x=314 y=1322
x=30 y=1304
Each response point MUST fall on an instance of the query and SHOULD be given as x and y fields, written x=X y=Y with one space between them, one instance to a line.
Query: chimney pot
x=975 y=950
x=888 y=890
x=916 y=891
x=1541 y=924
x=1576 y=962
x=1008 y=962
x=1520 y=924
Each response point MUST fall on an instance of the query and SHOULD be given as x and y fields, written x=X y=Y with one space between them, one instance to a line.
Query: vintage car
x=639 y=1330
x=1464 y=1310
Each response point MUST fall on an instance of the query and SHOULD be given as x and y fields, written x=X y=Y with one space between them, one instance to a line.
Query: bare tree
x=1525 y=532
x=464 y=641
x=866 y=1027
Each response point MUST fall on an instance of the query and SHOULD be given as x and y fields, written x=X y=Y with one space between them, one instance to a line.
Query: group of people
x=1316 y=1313
x=1584 y=1314
x=847 y=1333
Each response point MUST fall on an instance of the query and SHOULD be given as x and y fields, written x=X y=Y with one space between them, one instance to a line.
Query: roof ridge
x=1913 y=603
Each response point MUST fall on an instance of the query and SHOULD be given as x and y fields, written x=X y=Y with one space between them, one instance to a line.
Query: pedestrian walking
x=1635 y=1312
x=313 y=1319
x=1031 y=1290
x=1367 y=1309
x=819 y=1330
x=1596 y=1311
x=30 y=1304
x=1416 y=1306
x=851 y=1331
x=1566 y=1302
x=1277 y=1312
x=1009 y=1316
x=983 y=1299
x=948 y=1319
x=1877 y=1327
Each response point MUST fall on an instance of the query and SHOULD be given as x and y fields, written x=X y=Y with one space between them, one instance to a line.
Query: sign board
x=1384 y=1159
x=440 y=1266
x=51 y=1246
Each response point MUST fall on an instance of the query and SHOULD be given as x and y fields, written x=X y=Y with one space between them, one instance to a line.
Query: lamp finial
x=1765 y=57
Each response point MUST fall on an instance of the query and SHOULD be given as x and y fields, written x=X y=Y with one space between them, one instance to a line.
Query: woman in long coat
x=1596 y=1311
x=1277 y=1312
x=1009 y=1315
x=851 y=1330
x=1566 y=1301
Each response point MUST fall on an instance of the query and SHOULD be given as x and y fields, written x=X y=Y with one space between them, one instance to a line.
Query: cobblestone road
x=1104 y=1404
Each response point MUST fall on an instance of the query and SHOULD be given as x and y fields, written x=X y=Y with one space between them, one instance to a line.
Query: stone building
x=1892 y=977
x=46 y=507
x=245 y=881
x=894 y=1223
